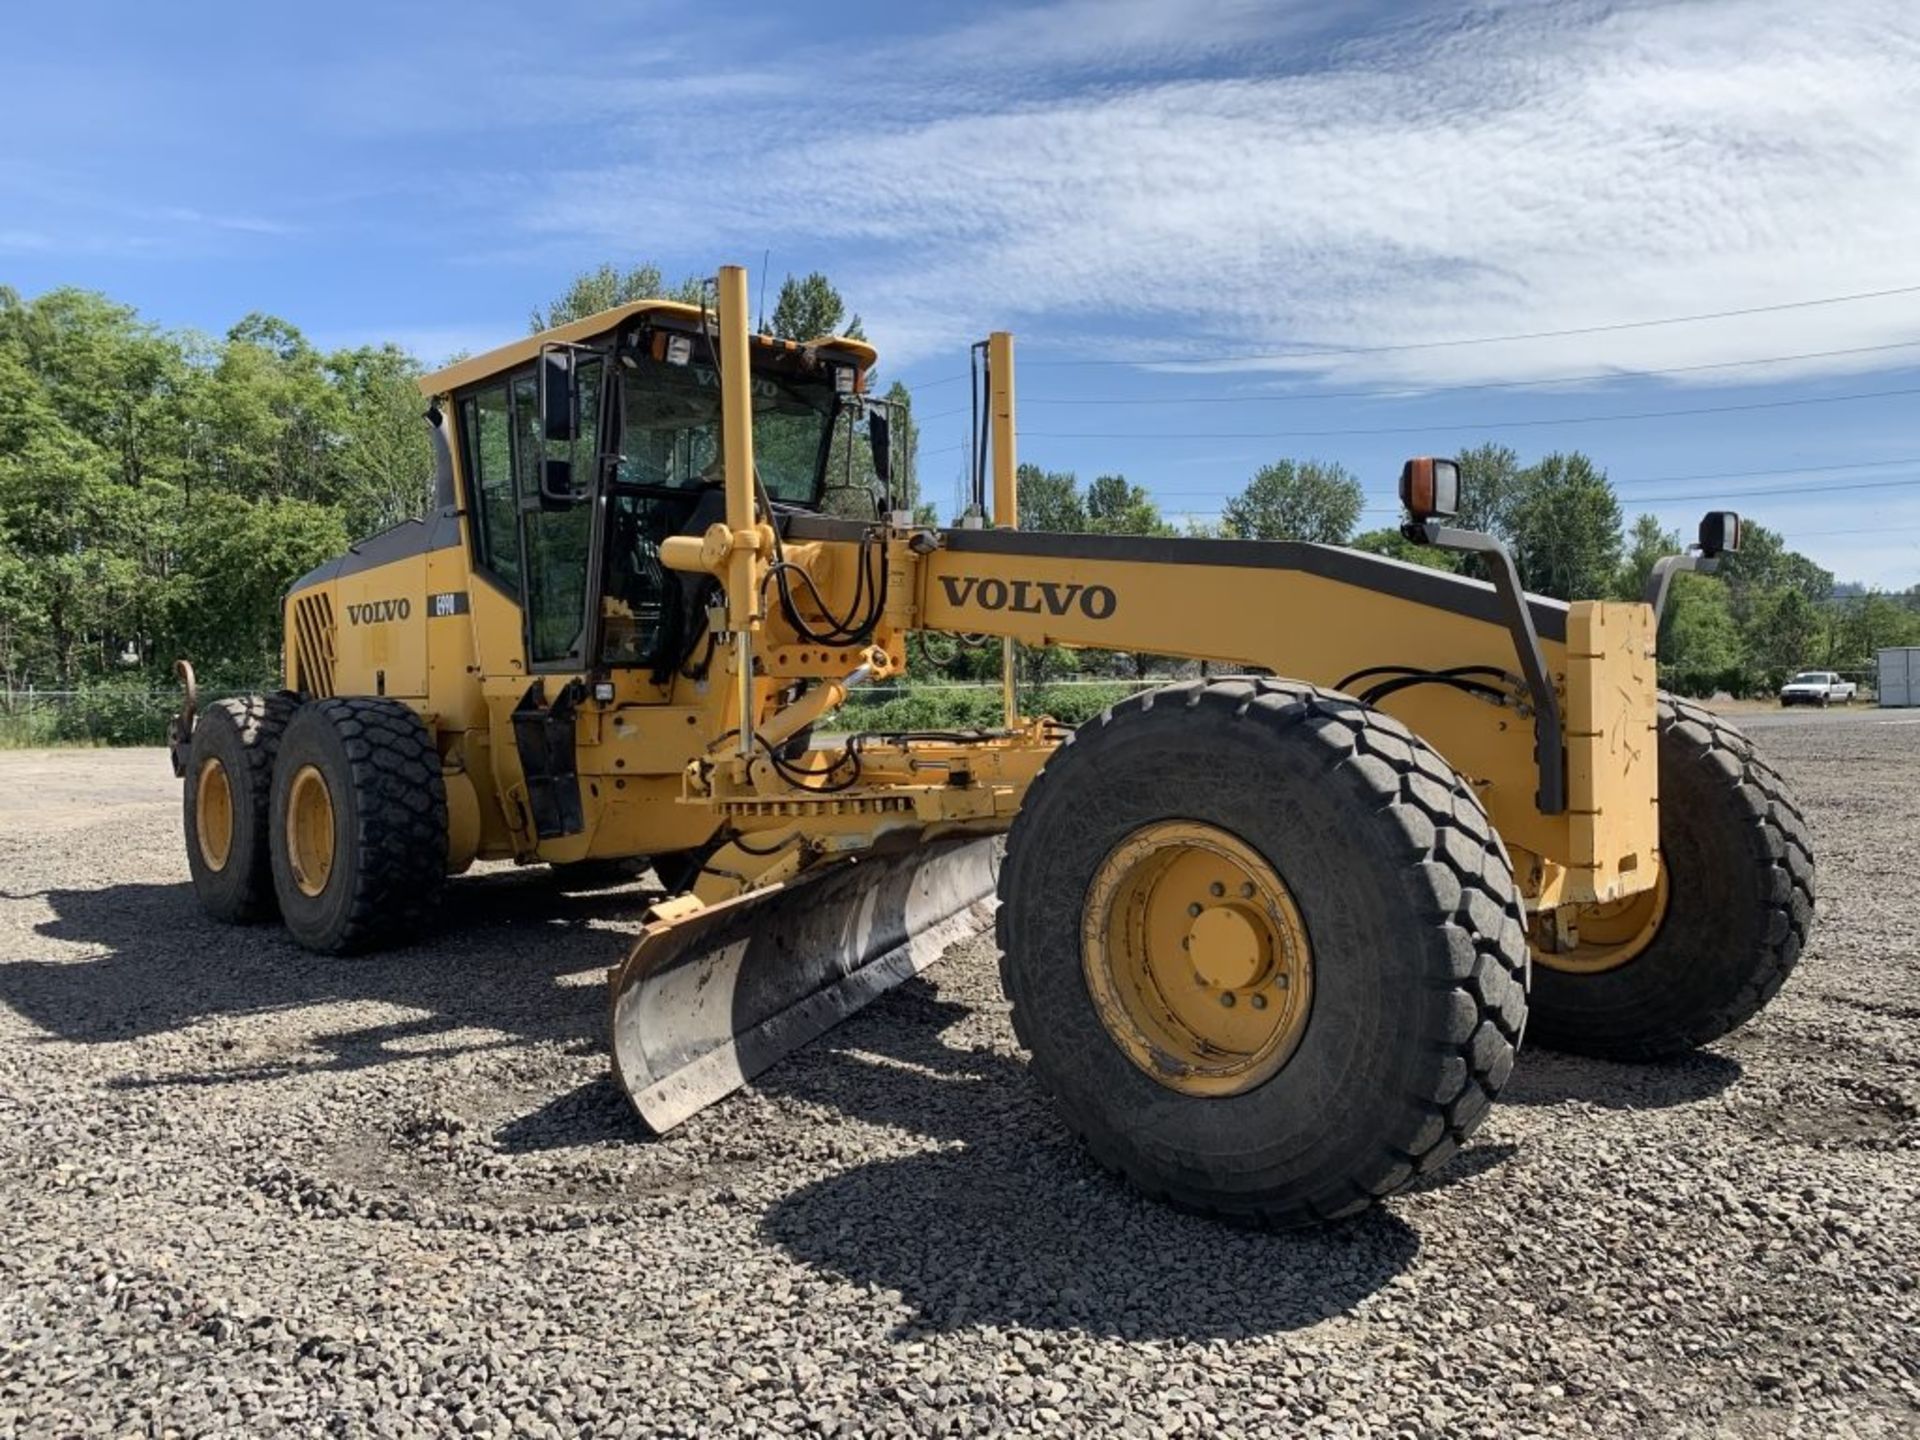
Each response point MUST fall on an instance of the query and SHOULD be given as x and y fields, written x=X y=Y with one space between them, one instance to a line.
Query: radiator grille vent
x=313 y=645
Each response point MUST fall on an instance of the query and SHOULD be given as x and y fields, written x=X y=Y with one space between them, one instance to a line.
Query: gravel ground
x=248 y=1189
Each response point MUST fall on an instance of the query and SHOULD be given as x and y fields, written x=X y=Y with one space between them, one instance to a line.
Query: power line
x=1314 y=352
x=1904 y=484
x=1777 y=490
x=1869 y=530
x=1420 y=390
x=1471 y=425
x=1685 y=479
x=1754 y=474
x=1811 y=491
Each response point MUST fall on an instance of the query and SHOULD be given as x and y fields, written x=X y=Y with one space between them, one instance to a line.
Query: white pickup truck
x=1817 y=687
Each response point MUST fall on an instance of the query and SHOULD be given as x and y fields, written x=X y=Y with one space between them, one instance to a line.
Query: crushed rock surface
x=250 y=1190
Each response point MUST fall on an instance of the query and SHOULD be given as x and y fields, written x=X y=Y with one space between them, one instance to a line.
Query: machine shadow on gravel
x=503 y=947
x=1546 y=1077
x=595 y=1113
x=1010 y=1222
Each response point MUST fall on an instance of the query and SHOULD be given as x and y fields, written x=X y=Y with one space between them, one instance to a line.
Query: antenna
x=766 y=259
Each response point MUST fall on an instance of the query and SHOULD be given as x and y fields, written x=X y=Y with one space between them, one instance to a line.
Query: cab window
x=487 y=441
x=558 y=542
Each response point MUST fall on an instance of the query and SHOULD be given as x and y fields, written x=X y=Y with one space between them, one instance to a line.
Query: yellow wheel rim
x=1196 y=958
x=310 y=830
x=213 y=813
x=1609 y=935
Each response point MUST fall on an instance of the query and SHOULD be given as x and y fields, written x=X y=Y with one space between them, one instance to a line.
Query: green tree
x=158 y=491
x=1701 y=652
x=1565 y=528
x=267 y=414
x=605 y=286
x=1765 y=564
x=1860 y=627
x=1490 y=488
x=810 y=307
x=239 y=557
x=1783 y=635
x=1647 y=544
x=1050 y=500
x=1307 y=500
x=1391 y=543
x=87 y=411
x=382 y=468
x=904 y=444
x=1116 y=506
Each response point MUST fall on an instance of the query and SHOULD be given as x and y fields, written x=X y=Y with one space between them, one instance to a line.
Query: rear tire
x=358 y=825
x=1739 y=869
x=229 y=786
x=1418 y=952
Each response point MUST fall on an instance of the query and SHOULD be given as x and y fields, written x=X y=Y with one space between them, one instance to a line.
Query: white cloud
x=193 y=219
x=1486 y=170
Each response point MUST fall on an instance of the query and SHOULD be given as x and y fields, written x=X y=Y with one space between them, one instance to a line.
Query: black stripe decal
x=1439 y=589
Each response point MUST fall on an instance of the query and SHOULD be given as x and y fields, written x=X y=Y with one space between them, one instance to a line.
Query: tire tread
x=258 y=722
x=400 y=835
x=1450 y=852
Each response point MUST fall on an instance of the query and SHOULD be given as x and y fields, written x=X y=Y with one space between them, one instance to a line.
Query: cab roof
x=511 y=357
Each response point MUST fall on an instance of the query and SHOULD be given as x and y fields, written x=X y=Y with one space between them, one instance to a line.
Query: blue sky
x=1191 y=194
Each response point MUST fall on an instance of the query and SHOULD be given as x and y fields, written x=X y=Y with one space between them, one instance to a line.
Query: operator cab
x=585 y=447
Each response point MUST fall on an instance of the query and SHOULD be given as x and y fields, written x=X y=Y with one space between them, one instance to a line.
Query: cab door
x=557 y=545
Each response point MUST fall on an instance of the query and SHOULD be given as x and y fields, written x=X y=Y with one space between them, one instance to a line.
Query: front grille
x=313 y=645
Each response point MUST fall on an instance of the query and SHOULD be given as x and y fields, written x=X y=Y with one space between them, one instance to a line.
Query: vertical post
x=1006 y=494
x=1006 y=489
x=736 y=457
x=736 y=447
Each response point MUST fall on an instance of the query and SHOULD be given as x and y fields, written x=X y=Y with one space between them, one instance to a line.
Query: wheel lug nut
x=1246 y=889
x=1217 y=889
x=1194 y=909
x=1259 y=1002
x=1226 y=998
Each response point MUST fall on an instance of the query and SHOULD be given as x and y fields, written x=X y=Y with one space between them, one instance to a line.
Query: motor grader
x=1271 y=941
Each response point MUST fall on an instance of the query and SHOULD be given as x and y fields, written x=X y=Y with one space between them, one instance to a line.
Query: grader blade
x=704 y=1004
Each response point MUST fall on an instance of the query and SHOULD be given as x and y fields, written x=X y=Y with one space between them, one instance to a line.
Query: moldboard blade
x=702 y=1005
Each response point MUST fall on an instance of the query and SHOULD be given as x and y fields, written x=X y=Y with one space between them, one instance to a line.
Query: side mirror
x=559 y=397
x=1430 y=489
x=1720 y=533
x=880 y=442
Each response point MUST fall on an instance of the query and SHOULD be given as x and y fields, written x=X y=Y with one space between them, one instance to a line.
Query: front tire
x=1368 y=874
x=229 y=785
x=358 y=825
x=1732 y=920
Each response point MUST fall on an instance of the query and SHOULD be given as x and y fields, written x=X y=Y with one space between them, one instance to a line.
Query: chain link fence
x=122 y=713
x=111 y=713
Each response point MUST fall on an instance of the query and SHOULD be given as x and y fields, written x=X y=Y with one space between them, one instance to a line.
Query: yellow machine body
x=656 y=776
x=662 y=705
x=1271 y=938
